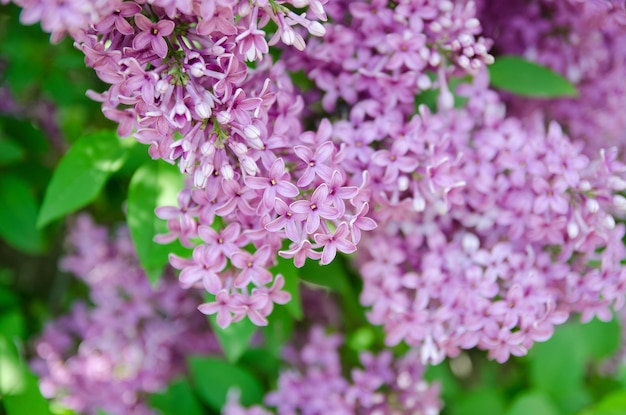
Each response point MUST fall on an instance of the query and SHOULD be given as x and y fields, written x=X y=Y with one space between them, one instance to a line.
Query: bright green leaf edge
x=521 y=77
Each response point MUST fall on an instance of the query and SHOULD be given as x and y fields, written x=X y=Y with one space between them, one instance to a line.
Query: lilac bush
x=307 y=129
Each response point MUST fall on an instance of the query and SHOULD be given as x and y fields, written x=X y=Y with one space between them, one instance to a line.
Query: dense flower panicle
x=131 y=342
x=180 y=81
x=519 y=235
x=583 y=41
x=315 y=384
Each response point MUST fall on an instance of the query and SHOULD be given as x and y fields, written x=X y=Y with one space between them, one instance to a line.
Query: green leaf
x=9 y=152
x=521 y=77
x=486 y=401
x=534 y=403
x=177 y=399
x=332 y=276
x=18 y=215
x=154 y=184
x=12 y=378
x=557 y=366
x=290 y=273
x=12 y=324
x=235 y=338
x=81 y=174
x=29 y=401
x=613 y=404
x=602 y=339
x=279 y=329
x=214 y=378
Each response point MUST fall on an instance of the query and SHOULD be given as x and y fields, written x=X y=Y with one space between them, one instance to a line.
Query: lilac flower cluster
x=582 y=40
x=522 y=236
x=493 y=229
x=179 y=77
x=380 y=52
x=315 y=384
x=131 y=342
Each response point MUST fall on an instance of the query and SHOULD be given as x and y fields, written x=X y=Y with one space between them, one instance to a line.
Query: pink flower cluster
x=315 y=384
x=583 y=41
x=484 y=231
x=524 y=236
x=130 y=342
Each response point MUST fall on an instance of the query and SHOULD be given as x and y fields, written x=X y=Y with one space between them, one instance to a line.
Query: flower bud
x=316 y=29
x=227 y=171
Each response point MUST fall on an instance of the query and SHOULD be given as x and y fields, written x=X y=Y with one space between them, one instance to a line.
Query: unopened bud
x=203 y=109
x=423 y=82
x=592 y=205
x=239 y=149
x=316 y=29
x=619 y=202
x=227 y=171
x=572 y=230
x=223 y=117
x=288 y=36
x=252 y=132
x=403 y=183
x=470 y=243
x=249 y=166
x=199 y=179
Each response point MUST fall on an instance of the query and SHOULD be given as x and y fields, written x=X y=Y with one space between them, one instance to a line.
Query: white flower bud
x=592 y=205
x=419 y=204
x=299 y=43
x=203 y=109
x=252 y=132
x=224 y=117
x=446 y=6
x=573 y=230
x=207 y=149
x=472 y=23
x=609 y=222
x=239 y=149
x=616 y=183
x=162 y=86
x=199 y=179
x=403 y=183
x=288 y=36
x=196 y=70
x=470 y=243
x=316 y=29
x=423 y=82
x=249 y=166
x=227 y=171
x=619 y=202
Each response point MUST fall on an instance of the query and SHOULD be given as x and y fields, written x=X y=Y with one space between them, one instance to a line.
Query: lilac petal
x=165 y=27
x=123 y=26
x=190 y=275
x=325 y=151
x=210 y=308
x=224 y=318
x=159 y=46
x=212 y=283
x=329 y=253
x=256 y=317
x=142 y=40
x=287 y=189
x=143 y=23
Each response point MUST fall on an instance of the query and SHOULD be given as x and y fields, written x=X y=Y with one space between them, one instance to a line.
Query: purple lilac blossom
x=129 y=342
x=582 y=40
x=314 y=383
x=494 y=229
x=491 y=229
